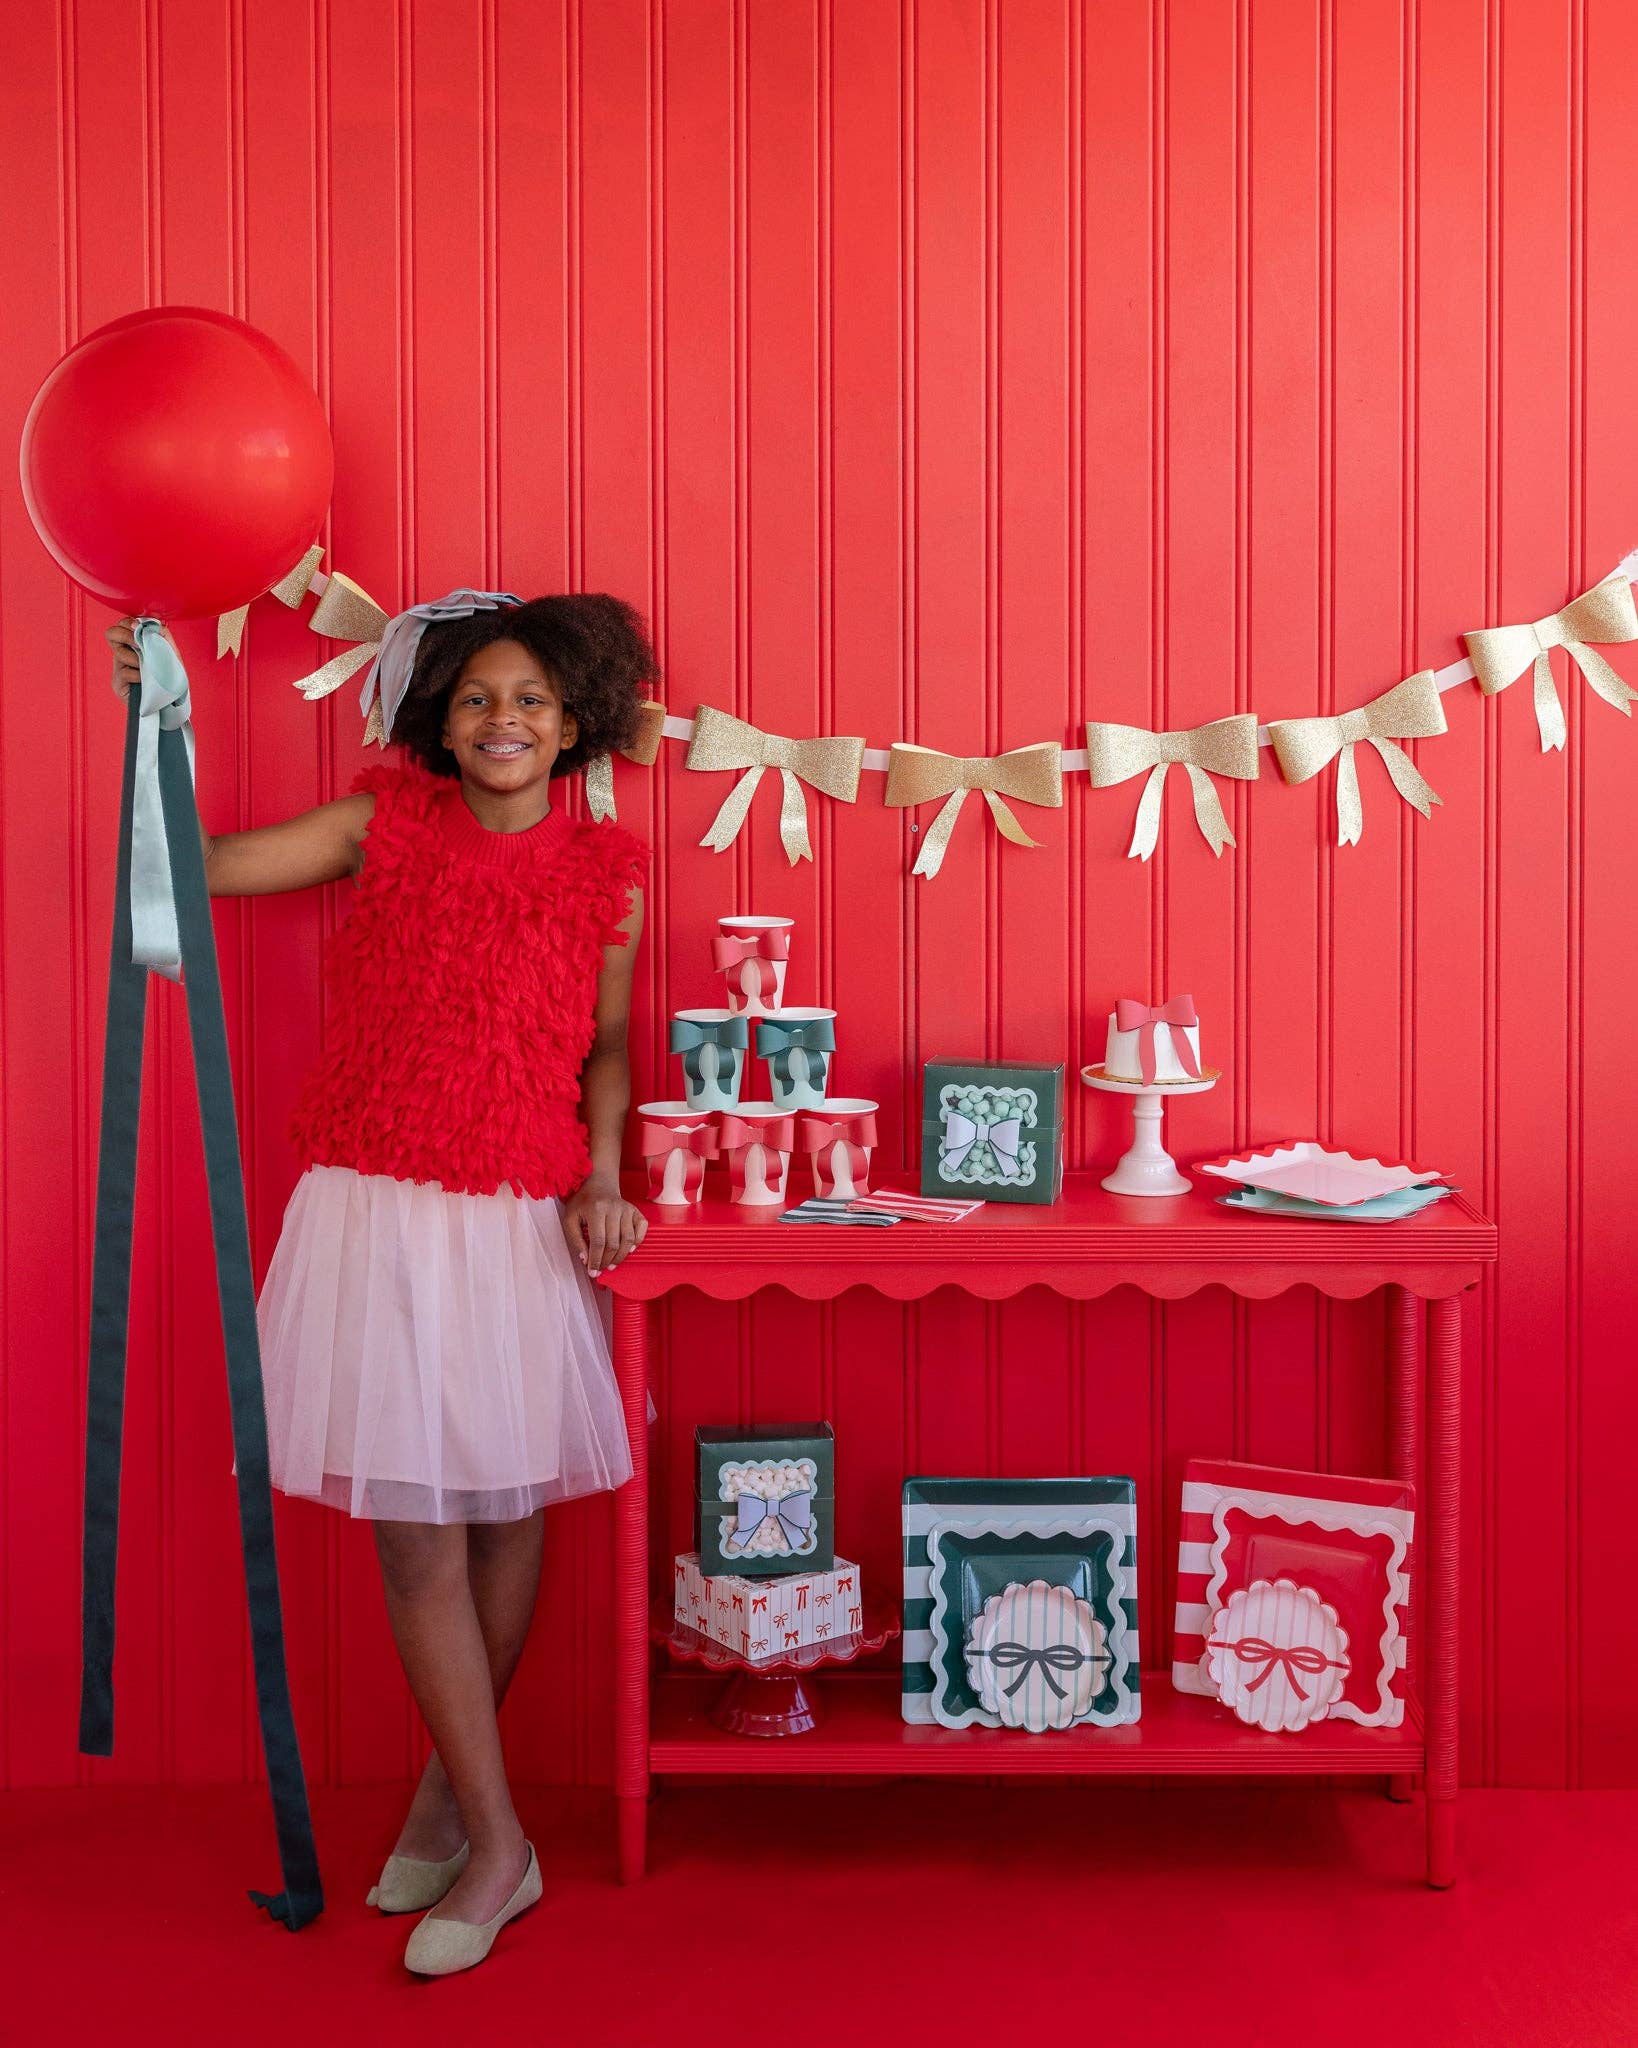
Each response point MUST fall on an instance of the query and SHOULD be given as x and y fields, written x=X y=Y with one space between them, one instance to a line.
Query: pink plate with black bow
x=1318 y=1173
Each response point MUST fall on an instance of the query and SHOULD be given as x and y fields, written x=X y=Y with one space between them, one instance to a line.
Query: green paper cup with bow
x=714 y=1045
x=798 y=1046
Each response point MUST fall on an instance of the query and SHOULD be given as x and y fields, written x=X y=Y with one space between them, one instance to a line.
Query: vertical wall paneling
x=952 y=371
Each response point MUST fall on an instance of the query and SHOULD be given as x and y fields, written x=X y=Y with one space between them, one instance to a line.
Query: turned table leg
x=1404 y=1309
x=1442 y=1556
x=631 y=1721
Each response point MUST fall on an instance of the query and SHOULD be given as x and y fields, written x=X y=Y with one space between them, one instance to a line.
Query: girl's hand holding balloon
x=127 y=670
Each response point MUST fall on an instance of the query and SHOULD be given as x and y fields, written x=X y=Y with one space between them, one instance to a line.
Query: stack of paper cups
x=751 y=954
x=676 y=1143
x=714 y=1045
x=797 y=1044
x=757 y=1140
x=839 y=1138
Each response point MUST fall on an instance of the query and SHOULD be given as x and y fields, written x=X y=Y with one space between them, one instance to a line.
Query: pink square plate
x=1317 y=1173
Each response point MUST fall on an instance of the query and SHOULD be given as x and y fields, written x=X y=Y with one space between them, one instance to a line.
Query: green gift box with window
x=992 y=1130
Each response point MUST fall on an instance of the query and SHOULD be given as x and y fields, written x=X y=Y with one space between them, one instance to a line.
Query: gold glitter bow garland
x=918 y=775
x=830 y=765
x=1501 y=654
x=644 y=751
x=1410 y=710
x=289 y=590
x=1227 y=746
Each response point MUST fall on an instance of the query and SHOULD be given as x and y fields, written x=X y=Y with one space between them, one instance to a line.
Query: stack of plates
x=1305 y=1178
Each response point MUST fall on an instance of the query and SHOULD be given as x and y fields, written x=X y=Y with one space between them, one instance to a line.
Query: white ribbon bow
x=964 y=1133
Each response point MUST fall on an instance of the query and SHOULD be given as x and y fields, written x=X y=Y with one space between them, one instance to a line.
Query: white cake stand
x=1148 y=1169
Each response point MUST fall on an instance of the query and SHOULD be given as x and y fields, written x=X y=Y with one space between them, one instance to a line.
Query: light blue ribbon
x=388 y=676
x=776 y=1039
x=164 y=705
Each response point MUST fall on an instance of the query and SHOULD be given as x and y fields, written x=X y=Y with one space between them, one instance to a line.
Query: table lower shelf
x=862 y=1734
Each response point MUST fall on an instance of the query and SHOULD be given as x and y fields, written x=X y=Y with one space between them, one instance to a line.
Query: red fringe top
x=462 y=991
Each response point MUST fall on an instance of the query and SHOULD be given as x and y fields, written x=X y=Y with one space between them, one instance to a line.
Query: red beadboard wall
x=944 y=371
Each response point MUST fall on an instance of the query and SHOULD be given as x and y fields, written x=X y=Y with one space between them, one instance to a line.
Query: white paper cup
x=752 y=953
x=676 y=1172
x=839 y=1137
x=757 y=1140
x=713 y=1074
x=797 y=1075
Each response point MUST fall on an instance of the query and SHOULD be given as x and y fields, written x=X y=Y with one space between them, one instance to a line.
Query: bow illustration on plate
x=1410 y=710
x=1501 y=654
x=1226 y=746
x=963 y=1133
x=794 y=1514
x=830 y=765
x=918 y=775
x=1291 y=1658
x=1026 y=1657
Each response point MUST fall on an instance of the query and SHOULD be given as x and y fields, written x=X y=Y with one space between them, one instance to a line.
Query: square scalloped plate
x=1389 y=1208
x=1317 y=1173
x=969 y=1563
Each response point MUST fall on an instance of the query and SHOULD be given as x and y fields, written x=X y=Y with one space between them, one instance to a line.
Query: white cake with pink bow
x=1153 y=1044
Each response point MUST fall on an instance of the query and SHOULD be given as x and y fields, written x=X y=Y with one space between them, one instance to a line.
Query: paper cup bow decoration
x=830 y=765
x=1179 y=1017
x=1501 y=654
x=1227 y=746
x=1409 y=711
x=1277 y=1655
x=919 y=775
x=797 y=1049
x=714 y=1045
x=839 y=1148
x=675 y=1151
x=758 y=1150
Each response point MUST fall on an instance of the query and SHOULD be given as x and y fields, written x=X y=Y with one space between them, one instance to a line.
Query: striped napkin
x=919 y=1208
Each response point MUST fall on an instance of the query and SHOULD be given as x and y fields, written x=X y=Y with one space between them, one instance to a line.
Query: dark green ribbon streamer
x=303 y=1895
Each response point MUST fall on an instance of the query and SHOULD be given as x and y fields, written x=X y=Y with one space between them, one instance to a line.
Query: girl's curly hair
x=596 y=647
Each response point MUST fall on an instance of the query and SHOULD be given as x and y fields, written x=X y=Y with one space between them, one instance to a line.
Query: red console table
x=1081 y=1247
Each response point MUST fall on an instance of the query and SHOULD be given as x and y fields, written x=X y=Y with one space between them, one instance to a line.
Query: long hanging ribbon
x=1410 y=710
x=830 y=765
x=163 y=704
x=644 y=751
x=1501 y=654
x=1227 y=746
x=303 y=1895
x=918 y=775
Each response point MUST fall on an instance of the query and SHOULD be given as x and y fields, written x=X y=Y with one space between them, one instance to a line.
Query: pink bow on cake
x=1178 y=1016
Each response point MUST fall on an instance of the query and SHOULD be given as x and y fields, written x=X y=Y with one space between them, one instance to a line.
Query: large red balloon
x=176 y=463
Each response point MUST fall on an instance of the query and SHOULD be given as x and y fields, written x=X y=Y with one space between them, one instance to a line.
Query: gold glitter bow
x=917 y=775
x=830 y=765
x=289 y=590
x=344 y=612
x=644 y=750
x=1501 y=654
x=1227 y=746
x=1410 y=710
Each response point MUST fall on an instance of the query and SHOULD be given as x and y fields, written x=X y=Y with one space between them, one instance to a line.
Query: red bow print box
x=1248 y=1528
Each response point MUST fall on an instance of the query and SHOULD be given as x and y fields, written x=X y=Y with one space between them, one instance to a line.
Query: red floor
x=937 y=1914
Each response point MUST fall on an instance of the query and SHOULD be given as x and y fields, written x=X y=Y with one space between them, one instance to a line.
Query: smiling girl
x=433 y=1358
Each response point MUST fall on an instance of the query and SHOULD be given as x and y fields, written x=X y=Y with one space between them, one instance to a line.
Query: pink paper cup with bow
x=676 y=1142
x=839 y=1137
x=751 y=954
x=757 y=1140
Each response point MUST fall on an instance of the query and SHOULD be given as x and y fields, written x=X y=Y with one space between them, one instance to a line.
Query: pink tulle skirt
x=429 y=1357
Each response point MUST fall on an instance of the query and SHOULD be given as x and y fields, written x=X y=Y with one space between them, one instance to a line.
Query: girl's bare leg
x=503 y=1567
x=441 y=1645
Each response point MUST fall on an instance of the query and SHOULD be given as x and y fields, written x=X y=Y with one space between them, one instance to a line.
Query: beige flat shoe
x=438 y=1948
x=410 y=1884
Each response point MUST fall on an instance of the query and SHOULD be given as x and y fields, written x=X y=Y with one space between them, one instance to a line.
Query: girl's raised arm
x=322 y=845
